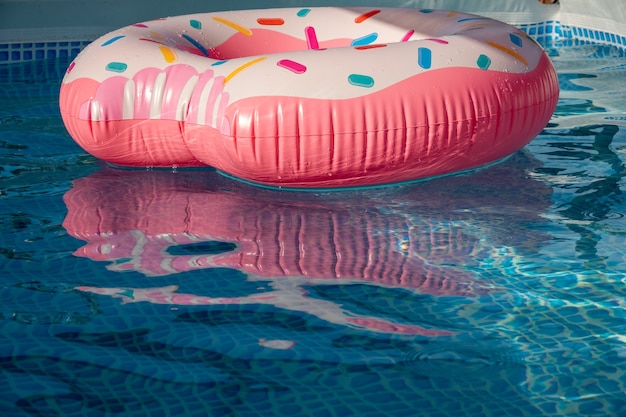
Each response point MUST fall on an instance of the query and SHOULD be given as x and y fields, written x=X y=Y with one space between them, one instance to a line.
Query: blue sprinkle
x=219 y=62
x=113 y=39
x=424 y=57
x=116 y=67
x=516 y=39
x=426 y=11
x=303 y=12
x=196 y=24
x=196 y=44
x=365 y=40
x=361 y=80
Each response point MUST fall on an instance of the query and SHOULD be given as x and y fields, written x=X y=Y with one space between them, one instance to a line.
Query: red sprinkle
x=270 y=21
x=149 y=40
x=365 y=16
x=372 y=46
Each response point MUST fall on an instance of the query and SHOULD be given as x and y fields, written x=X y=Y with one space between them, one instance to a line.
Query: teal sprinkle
x=424 y=57
x=113 y=39
x=196 y=24
x=127 y=293
x=116 y=67
x=303 y=12
x=483 y=62
x=426 y=11
x=516 y=39
x=361 y=80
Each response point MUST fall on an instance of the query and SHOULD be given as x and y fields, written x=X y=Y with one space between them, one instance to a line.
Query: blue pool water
x=161 y=293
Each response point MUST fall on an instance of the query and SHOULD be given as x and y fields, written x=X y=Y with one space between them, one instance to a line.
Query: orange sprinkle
x=508 y=51
x=365 y=16
x=270 y=21
x=473 y=25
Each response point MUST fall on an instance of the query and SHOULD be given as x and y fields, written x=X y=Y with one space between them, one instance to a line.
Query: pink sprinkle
x=407 y=35
x=311 y=37
x=71 y=67
x=140 y=25
x=441 y=41
x=291 y=66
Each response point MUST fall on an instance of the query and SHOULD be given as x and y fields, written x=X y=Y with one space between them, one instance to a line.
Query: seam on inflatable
x=331 y=139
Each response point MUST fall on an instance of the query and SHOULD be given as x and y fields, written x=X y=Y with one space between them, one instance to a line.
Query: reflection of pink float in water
x=419 y=240
x=142 y=217
x=416 y=238
x=169 y=295
x=280 y=297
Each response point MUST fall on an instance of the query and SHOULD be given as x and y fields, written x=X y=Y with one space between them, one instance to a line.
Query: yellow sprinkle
x=452 y=14
x=168 y=54
x=156 y=35
x=509 y=51
x=234 y=25
x=241 y=68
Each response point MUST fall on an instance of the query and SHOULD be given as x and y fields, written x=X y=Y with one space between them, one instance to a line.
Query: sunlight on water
x=150 y=292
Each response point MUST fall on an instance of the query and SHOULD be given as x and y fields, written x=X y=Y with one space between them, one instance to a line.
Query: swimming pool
x=186 y=293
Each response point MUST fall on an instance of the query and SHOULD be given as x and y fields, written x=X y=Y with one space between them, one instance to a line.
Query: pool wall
x=47 y=29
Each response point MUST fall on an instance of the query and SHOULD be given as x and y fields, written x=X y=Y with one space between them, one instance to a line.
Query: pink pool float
x=311 y=97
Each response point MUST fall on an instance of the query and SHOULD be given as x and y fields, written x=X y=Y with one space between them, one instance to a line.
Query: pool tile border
x=11 y=53
x=546 y=33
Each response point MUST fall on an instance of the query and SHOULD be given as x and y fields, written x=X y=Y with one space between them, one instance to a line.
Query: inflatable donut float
x=311 y=97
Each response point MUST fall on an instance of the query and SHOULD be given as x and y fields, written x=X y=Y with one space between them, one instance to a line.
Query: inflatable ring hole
x=212 y=247
x=272 y=34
